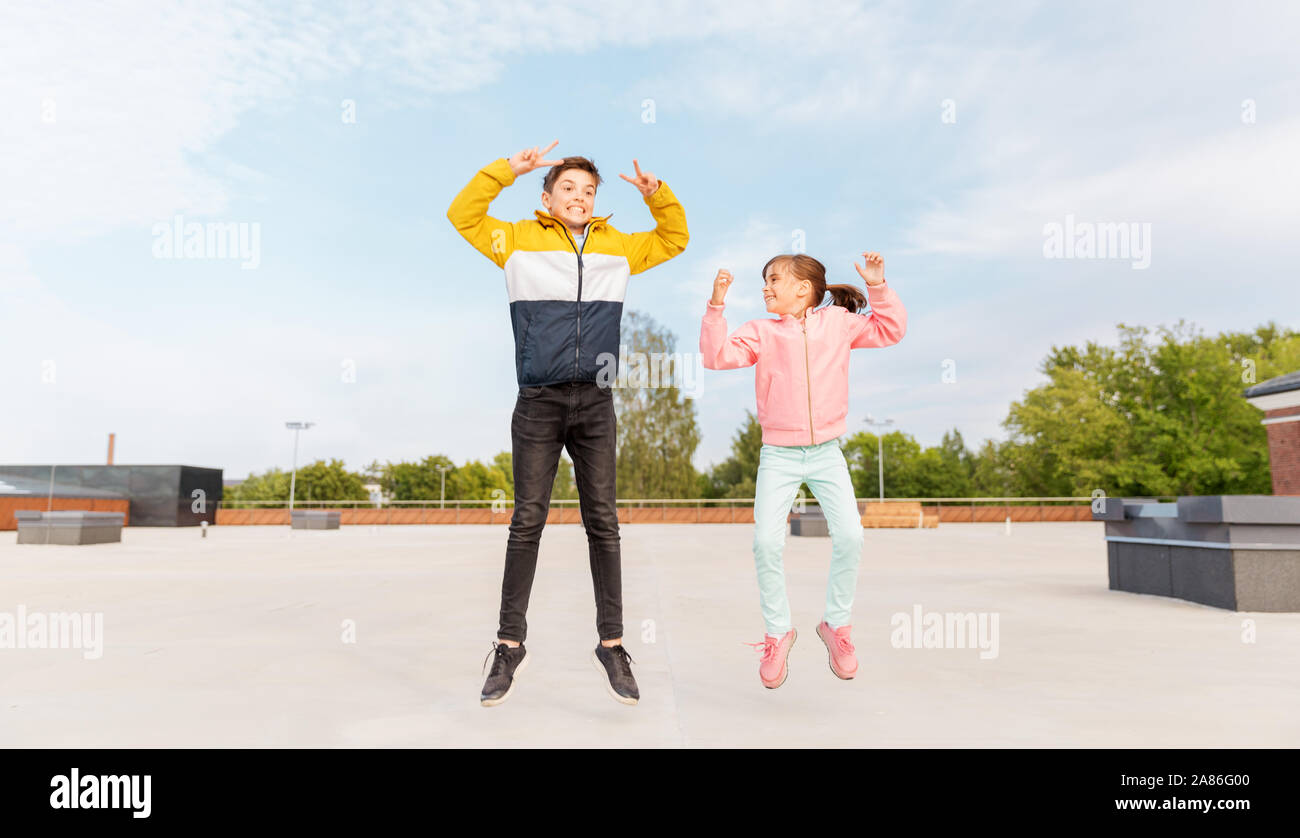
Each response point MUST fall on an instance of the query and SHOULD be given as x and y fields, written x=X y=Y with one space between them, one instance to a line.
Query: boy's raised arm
x=490 y=236
x=669 y=237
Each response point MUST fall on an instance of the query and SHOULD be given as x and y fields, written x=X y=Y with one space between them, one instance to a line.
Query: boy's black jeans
x=579 y=416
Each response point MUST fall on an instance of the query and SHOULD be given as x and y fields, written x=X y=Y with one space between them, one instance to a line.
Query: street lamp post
x=442 y=490
x=293 y=479
x=880 y=449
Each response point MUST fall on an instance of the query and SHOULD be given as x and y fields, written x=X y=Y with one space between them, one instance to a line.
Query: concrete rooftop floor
x=237 y=640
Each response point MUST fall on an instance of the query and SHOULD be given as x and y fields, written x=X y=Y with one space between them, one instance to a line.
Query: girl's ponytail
x=847 y=296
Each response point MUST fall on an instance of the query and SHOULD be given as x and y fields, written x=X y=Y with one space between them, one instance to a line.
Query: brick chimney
x=1279 y=398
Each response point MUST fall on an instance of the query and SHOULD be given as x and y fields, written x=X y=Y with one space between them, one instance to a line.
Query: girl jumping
x=802 y=386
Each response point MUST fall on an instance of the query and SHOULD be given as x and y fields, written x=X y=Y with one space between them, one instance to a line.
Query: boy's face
x=782 y=292
x=572 y=197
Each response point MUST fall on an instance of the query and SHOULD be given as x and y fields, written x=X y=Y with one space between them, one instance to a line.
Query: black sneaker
x=508 y=662
x=615 y=666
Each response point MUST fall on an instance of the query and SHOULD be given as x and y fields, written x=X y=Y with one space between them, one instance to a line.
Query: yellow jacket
x=566 y=301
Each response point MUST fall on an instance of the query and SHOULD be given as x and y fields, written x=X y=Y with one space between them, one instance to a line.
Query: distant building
x=1279 y=398
x=157 y=496
x=22 y=493
x=376 y=493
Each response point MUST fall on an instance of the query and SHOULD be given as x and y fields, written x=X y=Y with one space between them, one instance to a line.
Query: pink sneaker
x=772 y=668
x=840 y=646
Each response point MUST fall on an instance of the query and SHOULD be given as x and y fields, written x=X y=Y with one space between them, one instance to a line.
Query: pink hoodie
x=802 y=380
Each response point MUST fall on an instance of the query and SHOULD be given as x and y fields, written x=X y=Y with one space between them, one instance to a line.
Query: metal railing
x=670 y=510
x=702 y=503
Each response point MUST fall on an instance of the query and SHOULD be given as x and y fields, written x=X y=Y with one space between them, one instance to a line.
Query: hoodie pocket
x=775 y=409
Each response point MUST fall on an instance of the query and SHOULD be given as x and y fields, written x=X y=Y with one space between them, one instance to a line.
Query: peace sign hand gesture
x=530 y=158
x=644 y=181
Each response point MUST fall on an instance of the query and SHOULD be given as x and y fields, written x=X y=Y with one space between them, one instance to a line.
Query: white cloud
x=1240 y=183
x=108 y=107
x=1113 y=113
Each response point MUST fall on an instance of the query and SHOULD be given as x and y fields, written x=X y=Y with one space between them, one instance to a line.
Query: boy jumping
x=566 y=274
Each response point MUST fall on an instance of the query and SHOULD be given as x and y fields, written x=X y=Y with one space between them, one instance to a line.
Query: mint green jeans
x=781 y=470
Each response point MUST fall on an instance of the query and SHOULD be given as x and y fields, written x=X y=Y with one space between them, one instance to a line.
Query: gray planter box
x=1240 y=552
x=810 y=523
x=68 y=527
x=314 y=519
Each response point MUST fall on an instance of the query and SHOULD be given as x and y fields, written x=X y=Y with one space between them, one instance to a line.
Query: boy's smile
x=572 y=198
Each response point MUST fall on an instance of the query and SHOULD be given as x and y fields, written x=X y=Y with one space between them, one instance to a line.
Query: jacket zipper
x=807 y=375
x=577 y=347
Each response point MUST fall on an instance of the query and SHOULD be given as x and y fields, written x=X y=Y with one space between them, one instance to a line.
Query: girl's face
x=783 y=293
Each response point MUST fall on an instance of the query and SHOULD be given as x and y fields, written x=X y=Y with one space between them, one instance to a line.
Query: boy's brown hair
x=570 y=163
x=802 y=266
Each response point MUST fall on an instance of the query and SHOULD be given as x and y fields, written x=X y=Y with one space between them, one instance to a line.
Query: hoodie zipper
x=807 y=376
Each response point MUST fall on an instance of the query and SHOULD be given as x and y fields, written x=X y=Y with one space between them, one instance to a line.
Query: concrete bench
x=897 y=514
x=68 y=527
x=1240 y=552
x=315 y=519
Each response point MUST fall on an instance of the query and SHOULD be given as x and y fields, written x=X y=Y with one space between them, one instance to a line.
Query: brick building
x=1279 y=398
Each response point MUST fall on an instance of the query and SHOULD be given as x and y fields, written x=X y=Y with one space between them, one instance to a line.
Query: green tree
x=504 y=462
x=564 y=487
x=374 y=472
x=900 y=450
x=1157 y=415
x=657 y=430
x=474 y=480
x=734 y=477
x=993 y=475
x=416 y=481
x=331 y=480
x=272 y=484
x=320 y=480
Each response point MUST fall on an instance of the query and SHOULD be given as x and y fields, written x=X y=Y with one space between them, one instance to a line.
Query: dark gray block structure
x=160 y=496
x=68 y=527
x=1240 y=552
x=811 y=522
x=314 y=519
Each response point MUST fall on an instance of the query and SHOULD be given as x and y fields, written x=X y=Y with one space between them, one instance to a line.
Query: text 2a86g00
x=1185 y=780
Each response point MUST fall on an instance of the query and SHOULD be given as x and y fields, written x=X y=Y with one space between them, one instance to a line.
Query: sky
x=950 y=137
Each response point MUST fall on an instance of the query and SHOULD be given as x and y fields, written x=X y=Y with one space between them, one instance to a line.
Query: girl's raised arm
x=887 y=322
x=721 y=352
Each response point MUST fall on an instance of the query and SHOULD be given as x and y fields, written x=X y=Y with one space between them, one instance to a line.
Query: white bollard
x=203 y=527
x=1008 y=532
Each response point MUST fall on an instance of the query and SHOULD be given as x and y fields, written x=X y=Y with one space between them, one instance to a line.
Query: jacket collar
x=548 y=220
x=808 y=314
